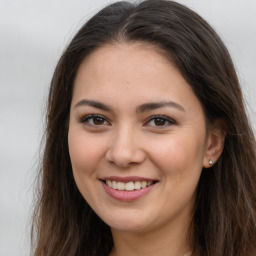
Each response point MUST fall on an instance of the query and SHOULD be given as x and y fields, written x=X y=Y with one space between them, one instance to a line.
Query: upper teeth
x=128 y=185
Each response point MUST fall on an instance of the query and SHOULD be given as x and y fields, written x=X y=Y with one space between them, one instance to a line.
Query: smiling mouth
x=128 y=186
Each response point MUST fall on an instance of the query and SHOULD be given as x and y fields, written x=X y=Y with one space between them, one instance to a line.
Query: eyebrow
x=155 y=105
x=140 y=109
x=94 y=104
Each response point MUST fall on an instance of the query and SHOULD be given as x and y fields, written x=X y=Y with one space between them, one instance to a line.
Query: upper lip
x=127 y=178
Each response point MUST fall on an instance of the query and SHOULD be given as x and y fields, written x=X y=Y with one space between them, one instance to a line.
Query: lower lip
x=126 y=196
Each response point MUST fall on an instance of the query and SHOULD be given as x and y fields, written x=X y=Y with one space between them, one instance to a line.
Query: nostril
x=125 y=154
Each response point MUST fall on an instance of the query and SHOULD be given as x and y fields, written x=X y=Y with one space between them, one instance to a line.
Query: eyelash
x=92 y=117
x=160 y=118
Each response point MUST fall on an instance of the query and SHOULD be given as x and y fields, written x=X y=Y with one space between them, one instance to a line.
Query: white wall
x=33 y=34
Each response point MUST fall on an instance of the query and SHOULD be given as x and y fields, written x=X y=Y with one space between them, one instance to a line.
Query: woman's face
x=137 y=138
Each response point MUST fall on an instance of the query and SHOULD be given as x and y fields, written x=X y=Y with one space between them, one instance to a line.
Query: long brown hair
x=225 y=214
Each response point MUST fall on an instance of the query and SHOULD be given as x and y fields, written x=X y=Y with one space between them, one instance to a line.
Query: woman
x=148 y=147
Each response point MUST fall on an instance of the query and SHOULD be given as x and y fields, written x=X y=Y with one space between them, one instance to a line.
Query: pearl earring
x=210 y=162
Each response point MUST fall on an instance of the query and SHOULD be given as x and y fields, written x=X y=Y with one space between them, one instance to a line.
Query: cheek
x=179 y=155
x=85 y=152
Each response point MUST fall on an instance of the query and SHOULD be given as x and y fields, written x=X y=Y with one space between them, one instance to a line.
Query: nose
x=125 y=149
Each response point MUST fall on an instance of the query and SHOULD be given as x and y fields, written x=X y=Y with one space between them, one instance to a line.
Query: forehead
x=132 y=72
x=111 y=59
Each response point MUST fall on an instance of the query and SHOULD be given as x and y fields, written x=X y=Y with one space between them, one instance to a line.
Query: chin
x=129 y=227
x=128 y=222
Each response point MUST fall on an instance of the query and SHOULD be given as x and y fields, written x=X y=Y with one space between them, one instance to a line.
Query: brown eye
x=94 y=120
x=160 y=121
x=98 y=120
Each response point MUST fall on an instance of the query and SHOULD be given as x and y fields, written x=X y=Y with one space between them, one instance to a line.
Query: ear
x=215 y=142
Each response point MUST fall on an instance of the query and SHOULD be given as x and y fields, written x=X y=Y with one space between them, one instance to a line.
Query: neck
x=170 y=240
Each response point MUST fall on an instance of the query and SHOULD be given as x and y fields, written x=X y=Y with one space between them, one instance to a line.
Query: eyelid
x=85 y=119
x=165 y=118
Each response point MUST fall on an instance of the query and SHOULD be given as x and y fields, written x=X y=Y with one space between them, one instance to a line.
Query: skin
x=126 y=141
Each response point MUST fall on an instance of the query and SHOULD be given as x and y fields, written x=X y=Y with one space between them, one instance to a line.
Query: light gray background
x=32 y=36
